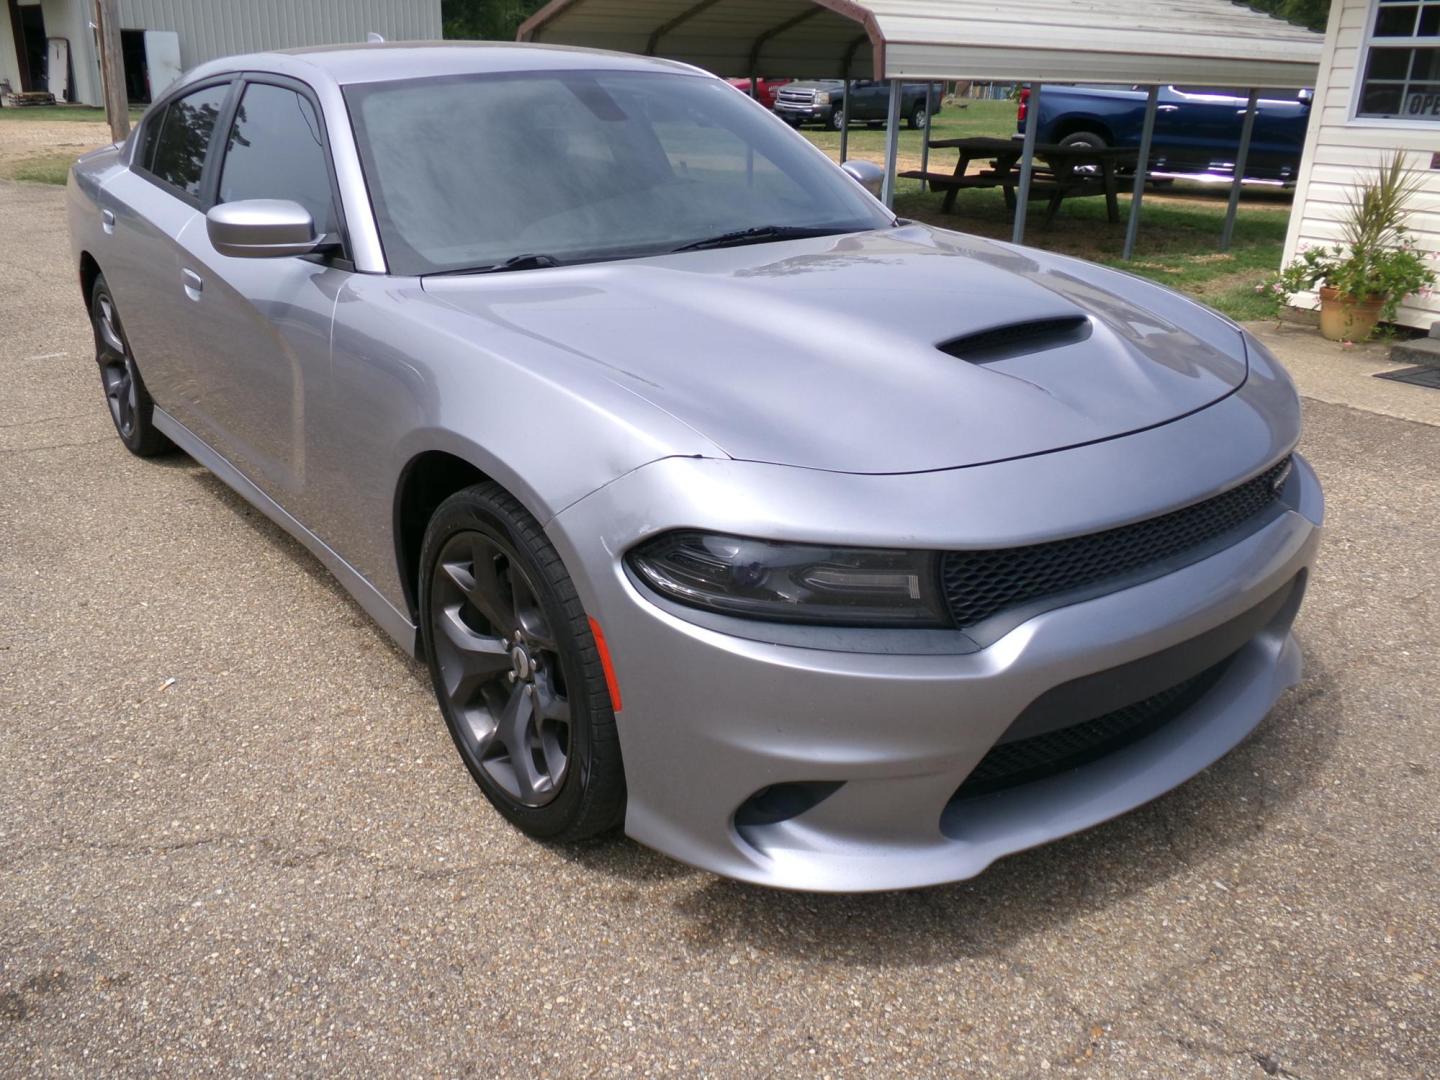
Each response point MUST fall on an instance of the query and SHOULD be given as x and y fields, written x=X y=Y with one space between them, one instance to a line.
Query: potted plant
x=1363 y=279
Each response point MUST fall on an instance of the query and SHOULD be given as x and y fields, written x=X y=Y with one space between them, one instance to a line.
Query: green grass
x=1180 y=225
x=47 y=168
x=61 y=112
x=1178 y=243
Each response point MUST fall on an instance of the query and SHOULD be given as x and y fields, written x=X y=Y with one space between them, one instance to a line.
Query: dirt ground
x=21 y=140
x=235 y=837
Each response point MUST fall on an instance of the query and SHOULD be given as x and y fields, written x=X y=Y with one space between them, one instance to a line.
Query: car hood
x=825 y=353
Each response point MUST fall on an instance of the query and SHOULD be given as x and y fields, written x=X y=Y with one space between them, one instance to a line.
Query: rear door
x=1197 y=128
x=145 y=210
x=870 y=99
x=1281 y=117
x=261 y=326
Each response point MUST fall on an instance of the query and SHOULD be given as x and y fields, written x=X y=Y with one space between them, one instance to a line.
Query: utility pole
x=112 y=67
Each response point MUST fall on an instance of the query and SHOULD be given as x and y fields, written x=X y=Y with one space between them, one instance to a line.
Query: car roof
x=388 y=61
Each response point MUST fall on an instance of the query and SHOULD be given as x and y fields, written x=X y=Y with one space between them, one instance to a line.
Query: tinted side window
x=148 y=138
x=184 y=135
x=276 y=151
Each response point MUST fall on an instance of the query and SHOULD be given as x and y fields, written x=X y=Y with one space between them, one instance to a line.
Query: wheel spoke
x=109 y=335
x=514 y=731
x=550 y=705
x=472 y=660
x=528 y=615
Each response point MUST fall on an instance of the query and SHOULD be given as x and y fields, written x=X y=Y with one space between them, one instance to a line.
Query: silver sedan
x=819 y=548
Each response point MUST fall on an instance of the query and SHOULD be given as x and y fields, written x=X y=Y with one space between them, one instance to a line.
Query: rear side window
x=276 y=151
x=183 y=137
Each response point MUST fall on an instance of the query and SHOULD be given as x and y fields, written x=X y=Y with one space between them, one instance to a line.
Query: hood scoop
x=1017 y=339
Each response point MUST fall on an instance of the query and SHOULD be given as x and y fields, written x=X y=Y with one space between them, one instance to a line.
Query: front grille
x=1024 y=760
x=796 y=97
x=979 y=584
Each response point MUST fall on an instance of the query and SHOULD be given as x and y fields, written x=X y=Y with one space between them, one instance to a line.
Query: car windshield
x=576 y=166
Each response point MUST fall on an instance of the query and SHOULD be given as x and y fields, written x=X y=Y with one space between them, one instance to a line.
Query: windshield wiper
x=518 y=262
x=761 y=234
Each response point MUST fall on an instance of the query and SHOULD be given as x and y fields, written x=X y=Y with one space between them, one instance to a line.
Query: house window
x=1402 y=63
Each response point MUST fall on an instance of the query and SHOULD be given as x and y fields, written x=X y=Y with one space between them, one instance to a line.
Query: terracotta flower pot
x=1344 y=317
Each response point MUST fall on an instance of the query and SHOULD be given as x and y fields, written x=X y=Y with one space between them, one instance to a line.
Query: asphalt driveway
x=234 y=835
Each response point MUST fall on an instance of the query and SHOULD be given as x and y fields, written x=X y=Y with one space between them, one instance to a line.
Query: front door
x=261 y=326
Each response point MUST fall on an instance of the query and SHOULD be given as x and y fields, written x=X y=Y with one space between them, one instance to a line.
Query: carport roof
x=1212 y=42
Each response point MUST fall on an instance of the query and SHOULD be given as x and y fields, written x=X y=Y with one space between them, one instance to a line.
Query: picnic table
x=1068 y=171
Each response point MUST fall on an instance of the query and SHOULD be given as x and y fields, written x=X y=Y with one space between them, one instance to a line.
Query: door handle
x=107 y=221
x=193 y=282
x=1242 y=112
x=1167 y=108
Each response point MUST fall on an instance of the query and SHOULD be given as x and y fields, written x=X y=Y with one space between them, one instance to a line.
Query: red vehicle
x=764 y=89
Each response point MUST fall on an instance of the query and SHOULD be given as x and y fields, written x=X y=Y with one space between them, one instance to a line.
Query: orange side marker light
x=604 y=651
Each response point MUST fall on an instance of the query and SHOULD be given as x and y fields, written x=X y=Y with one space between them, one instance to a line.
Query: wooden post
x=112 y=67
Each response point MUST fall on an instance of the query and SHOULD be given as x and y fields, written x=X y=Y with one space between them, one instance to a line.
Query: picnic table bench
x=1068 y=172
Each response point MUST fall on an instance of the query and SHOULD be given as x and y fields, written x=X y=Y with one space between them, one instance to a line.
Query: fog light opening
x=781 y=802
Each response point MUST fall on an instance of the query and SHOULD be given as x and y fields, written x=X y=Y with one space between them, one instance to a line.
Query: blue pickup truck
x=1197 y=128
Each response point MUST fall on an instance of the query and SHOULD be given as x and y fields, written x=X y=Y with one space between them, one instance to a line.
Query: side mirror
x=867 y=174
x=1306 y=96
x=261 y=229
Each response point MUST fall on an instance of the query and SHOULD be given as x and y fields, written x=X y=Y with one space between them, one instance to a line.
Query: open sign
x=1422 y=105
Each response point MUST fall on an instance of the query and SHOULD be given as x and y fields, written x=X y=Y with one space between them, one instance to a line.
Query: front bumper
x=798 y=114
x=711 y=718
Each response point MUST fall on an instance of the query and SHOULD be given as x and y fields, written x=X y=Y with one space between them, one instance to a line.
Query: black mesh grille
x=1029 y=759
x=979 y=584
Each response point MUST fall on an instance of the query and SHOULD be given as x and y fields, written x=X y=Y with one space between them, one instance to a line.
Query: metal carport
x=1209 y=42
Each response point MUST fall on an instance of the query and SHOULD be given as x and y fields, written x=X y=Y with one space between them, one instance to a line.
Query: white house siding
x=1340 y=149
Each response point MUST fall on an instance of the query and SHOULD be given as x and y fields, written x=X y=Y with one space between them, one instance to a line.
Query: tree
x=485 y=20
x=1310 y=13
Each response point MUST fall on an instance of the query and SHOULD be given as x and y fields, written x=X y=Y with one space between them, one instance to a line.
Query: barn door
x=162 y=59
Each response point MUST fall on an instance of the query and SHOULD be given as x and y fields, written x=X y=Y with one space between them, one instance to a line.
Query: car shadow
x=1227 y=805
x=312 y=567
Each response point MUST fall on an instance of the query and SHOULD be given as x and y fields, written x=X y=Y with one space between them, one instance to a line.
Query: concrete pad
x=275 y=863
x=1345 y=375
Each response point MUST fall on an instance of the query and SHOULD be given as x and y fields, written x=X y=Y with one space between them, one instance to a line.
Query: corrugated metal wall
x=211 y=28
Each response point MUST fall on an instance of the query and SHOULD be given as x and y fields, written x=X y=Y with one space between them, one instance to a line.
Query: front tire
x=837 y=119
x=131 y=407
x=516 y=669
x=916 y=119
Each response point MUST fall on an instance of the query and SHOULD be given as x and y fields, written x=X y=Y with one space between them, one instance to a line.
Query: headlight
x=822 y=98
x=762 y=579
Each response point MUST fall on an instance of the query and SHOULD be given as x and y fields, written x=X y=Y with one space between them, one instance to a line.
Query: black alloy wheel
x=516 y=668
x=131 y=407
